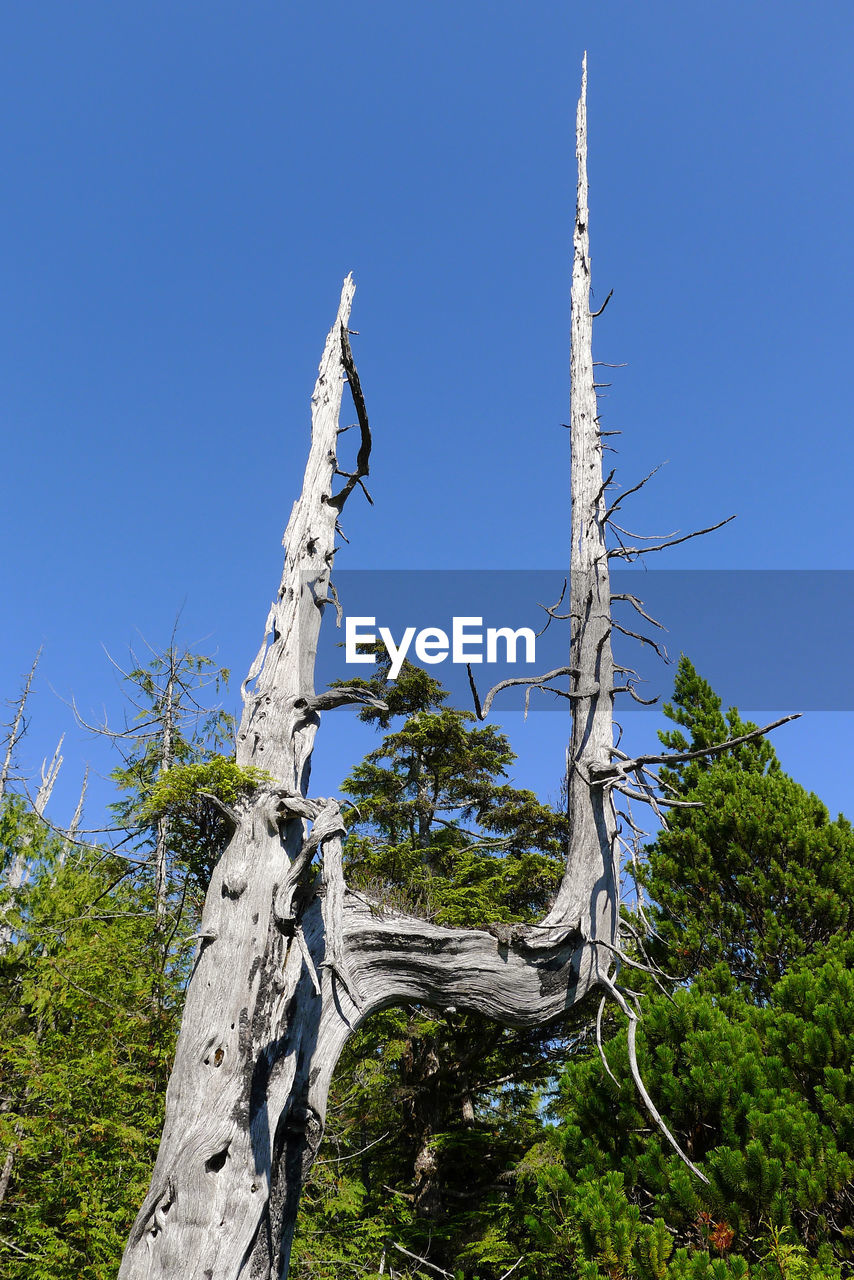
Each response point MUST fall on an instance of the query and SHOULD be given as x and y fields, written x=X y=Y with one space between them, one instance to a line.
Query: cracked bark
x=290 y=961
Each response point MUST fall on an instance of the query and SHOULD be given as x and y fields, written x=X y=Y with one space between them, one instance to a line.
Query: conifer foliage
x=84 y=1059
x=456 y=1147
x=749 y=1053
x=97 y=945
x=759 y=875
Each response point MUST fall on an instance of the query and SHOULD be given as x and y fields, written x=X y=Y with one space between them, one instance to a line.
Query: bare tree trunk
x=589 y=892
x=50 y=773
x=6 y=1171
x=18 y=872
x=291 y=962
x=161 y=846
x=74 y=825
x=243 y=1098
x=16 y=729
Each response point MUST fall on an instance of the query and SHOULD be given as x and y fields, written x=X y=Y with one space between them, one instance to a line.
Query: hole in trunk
x=215 y=1163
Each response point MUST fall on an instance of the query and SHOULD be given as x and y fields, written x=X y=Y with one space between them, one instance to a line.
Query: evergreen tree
x=84 y=1059
x=437 y=1140
x=92 y=979
x=171 y=727
x=749 y=1058
x=760 y=874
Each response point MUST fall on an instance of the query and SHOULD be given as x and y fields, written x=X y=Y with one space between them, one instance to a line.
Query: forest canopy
x=456 y=1146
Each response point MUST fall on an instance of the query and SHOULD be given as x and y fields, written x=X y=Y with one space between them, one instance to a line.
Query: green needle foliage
x=93 y=966
x=191 y=797
x=84 y=1060
x=471 y=1146
x=749 y=1059
x=757 y=877
x=170 y=726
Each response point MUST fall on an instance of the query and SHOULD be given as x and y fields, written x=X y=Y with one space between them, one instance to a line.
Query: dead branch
x=660 y=800
x=642 y=537
x=225 y=809
x=594 y=314
x=355 y=1155
x=417 y=1256
x=551 y=610
x=653 y=1111
x=638 y=606
x=18 y=725
x=599 y=1044
x=533 y=682
x=615 y=506
x=342 y=696
x=636 y=635
x=682 y=757
x=632 y=553
x=363 y=457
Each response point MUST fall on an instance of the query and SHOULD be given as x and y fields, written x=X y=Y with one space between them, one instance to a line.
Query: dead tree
x=16 y=729
x=16 y=871
x=290 y=961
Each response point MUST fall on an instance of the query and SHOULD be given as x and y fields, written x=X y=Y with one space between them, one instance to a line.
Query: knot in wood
x=505 y=933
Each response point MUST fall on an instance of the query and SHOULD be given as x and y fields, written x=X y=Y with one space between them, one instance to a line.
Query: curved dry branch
x=632 y=553
x=344 y=695
x=647 y=1100
x=511 y=974
x=532 y=682
x=629 y=764
x=642 y=639
x=635 y=488
x=637 y=605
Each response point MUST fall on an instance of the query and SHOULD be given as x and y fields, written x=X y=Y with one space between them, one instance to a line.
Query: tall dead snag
x=290 y=961
x=16 y=729
x=16 y=871
x=237 y=1109
x=588 y=896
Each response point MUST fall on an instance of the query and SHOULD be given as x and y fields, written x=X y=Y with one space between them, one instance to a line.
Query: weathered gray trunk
x=589 y=892
x=17 y=871
x=161 y=842
x=17 y=729
x=291 y=962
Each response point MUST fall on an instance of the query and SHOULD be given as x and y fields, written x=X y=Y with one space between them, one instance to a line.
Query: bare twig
x=533 y=682
x=594 y=314
x=638 y=605
x=631 y=553
x=355 y=1155
x=638 y=1079
x=682 y=757
x=432 y=1266
x=618 y=502
x=636 y=635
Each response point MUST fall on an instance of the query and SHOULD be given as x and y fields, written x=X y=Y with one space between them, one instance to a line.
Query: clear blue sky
x=187 y=183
